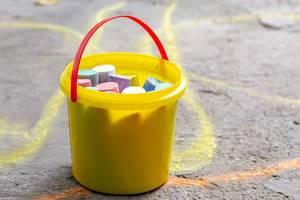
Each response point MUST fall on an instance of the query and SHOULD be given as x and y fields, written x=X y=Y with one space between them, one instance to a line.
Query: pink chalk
x=108 y=87
x=84 y=82
x=111 y=92
x=123 y=81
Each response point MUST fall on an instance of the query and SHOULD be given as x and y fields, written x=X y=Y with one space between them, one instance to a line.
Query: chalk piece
x=111 y=92
x=92 y=88
x=103 y=71
x=88 y=74
x=133 y=90
x=108 y=86
x=84 y=82
x=150 y=84
x=134 y=79
x=123 y=81
x=162 y=86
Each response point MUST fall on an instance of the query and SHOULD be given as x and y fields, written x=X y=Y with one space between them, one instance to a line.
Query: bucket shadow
x=60 y=184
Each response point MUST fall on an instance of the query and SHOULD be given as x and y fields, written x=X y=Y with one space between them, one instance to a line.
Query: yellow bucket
x=121 y=143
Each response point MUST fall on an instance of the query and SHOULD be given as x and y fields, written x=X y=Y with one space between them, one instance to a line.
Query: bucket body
x=121 y=151
x=121 y=143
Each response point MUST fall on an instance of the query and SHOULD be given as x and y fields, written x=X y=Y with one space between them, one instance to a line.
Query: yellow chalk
x=201 y=151
x=40 y=131
x=100 y=15
x=43 y=126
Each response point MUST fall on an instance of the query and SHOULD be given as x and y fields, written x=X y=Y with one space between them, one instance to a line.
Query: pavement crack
x=209 y=92
x=296 y=122
x=212 y=92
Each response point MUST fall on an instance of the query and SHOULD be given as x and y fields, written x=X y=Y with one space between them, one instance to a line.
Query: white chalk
x=133 y=90
x=162 y=86
x=103 y=71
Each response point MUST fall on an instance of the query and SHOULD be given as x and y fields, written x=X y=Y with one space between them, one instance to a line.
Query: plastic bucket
x=121 y=143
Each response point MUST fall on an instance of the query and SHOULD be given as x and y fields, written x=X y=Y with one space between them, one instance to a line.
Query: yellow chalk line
x=100 y=15
x=206 y=151
x=13 y=129
x=65 y=30
x=167 y=29
x=240 y=19
x=41 y=130
x=201 y=151
x=205 y=145
x=43 y=26
x=234 y=19
x=43 y=126
x=19 y=128
x=145 y=45
x=248 y=91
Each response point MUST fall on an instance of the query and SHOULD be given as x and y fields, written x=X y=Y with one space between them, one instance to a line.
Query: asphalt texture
x=244 y=60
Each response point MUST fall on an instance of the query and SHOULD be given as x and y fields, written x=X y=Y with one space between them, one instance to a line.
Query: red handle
x=86 y=39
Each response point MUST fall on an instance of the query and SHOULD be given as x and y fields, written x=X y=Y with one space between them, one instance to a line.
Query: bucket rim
x=125 y=101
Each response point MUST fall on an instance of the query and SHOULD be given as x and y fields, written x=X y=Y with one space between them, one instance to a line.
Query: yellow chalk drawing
x=201 y=151
x=13 y=129
x=43 y=26
x=233 y=19
x=40 y=130
x=100 y=15
x=167 y=30
x=44 y=124
x=145 y=45
x=248 y=91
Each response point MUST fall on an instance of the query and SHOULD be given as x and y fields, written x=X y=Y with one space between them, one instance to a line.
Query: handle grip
x=88 y=36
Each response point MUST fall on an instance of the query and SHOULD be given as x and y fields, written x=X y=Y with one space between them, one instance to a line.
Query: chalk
x=108 y=87
x=84 y=82
x=88 y=74
x=162 y=86
x=134 y=79
x=111 y=92
x=123 y=81
x=150 y=84
x=92 y=88
x=103 y=71
x=133 y=90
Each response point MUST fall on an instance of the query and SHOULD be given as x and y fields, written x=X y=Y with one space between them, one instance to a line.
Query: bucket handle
x=87 y=37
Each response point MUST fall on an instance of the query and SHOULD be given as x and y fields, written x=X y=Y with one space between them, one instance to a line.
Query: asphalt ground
x=237 y=133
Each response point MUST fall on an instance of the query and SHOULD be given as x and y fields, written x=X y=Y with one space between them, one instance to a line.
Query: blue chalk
x=88 y=74
x=162 y=86
x=92 y=88
x=150 y=84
